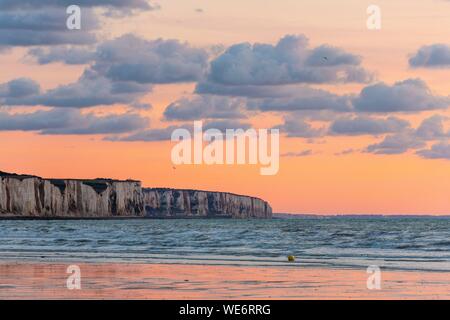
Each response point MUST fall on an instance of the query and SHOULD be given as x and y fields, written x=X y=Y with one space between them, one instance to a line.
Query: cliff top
x=196 y=190
x=27 y=176
x=15 y=175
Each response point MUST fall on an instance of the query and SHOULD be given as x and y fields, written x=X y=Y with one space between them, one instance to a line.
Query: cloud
x=289 y=61
x=132 y=59
x=363 y=125
x=121 y=71
x=164 y=134
x=50 y=19
x=223 y=125
x=432 y=56
x=303 y=153
x=396 y=144
x=345 y=152
x=43 y=22
x=437 y=151
x=142 y=106
x=110 y=124
x=70 y=121
x=66 y=55
x=304 y=98
x=129 y=58
x=250 y=91
x=19 y=88
x=90 y=90
x=205 y=107
x=300 y=129
x=30 y=4
x=410 y=95
x=148 y=135
x=36 y=121
x=432 y=128
x=326 y=56
x=44 y=27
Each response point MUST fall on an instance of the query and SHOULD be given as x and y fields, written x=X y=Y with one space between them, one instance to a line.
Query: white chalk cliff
x=34 y=197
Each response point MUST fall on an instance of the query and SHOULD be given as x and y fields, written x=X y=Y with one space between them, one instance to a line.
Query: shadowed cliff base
x=32 y=197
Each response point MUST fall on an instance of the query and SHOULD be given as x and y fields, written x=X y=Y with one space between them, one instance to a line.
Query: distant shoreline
x=304 y=216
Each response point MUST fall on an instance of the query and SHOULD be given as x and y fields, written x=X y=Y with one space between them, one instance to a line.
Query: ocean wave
x=404 y=243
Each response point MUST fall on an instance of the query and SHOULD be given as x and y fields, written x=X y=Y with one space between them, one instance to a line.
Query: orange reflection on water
x=174 y=281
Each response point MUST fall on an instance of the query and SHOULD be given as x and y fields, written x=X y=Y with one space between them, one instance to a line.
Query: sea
x=396 y=243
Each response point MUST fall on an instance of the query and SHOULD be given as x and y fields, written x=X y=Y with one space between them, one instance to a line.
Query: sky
x=363 y=114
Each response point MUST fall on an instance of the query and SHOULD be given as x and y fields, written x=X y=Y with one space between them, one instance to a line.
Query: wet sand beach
x=182 y=281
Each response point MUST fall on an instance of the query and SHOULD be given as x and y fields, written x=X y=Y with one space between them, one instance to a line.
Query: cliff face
x=30 y=196
x=194 y=203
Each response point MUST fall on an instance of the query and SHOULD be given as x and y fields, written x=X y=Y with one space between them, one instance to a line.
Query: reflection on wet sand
x=172 y=281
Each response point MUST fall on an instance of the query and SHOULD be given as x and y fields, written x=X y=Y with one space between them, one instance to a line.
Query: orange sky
x=321 y=183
